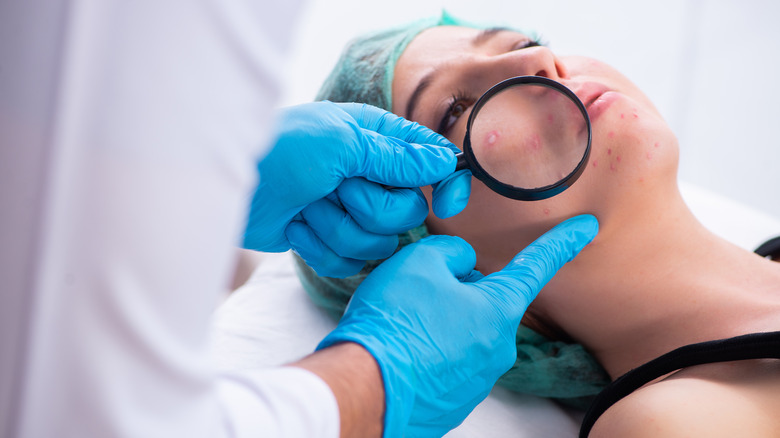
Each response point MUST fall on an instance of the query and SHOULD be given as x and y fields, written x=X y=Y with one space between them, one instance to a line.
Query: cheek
x=631 y=141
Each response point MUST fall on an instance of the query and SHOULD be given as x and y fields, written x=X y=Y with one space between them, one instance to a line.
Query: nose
x=531 y=61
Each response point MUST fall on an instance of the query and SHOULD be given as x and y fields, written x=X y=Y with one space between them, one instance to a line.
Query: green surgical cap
x=364 y=73
x=544 y=367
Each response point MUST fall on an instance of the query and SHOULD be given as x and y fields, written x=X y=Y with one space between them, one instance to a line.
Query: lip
x=596 y=98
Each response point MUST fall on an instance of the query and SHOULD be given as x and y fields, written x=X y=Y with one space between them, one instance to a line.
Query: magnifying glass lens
x=529 y=136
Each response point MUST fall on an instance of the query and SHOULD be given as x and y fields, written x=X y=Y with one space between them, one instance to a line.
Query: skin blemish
x=491 y=138
x=595 y=163
x=634 y=113
x=611 y=134
x=609 y=151
x=550 y=118
x=618 y=158
x=656 y=144
x=622 y=116
x=534 y=142
x=547 y=211
x=649 y=155
x=612 y=167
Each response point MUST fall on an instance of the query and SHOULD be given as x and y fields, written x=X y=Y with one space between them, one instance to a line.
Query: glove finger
x=451 y=195
x=334 y=198
x=317 y=255
x=472 y=277
x=457 y=255
x=522 y=279
x=390 y=161
x=382 y=211
x=344 y=236
x=388 y=124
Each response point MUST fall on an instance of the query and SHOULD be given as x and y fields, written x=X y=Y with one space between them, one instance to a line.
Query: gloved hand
x=441 y=332
x=322 y=187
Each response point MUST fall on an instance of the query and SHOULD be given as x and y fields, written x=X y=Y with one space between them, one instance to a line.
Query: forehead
x=435 y=48
x=429 y=50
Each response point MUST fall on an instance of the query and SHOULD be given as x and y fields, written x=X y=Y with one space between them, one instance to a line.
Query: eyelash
x=461 y=98
x=458 y=98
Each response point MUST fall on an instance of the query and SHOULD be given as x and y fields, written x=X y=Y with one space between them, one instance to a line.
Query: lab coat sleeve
x=281 y=402
x=130 y=134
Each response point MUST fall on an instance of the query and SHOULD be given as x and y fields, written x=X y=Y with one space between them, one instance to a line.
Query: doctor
x=130 y=132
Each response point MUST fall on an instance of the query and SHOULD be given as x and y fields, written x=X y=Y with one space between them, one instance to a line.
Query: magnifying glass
x=527 y=138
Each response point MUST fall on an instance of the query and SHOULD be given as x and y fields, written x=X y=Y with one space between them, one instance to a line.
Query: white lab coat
x=130 y=132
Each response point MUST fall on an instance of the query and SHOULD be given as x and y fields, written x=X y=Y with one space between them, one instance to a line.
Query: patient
x=652 y=281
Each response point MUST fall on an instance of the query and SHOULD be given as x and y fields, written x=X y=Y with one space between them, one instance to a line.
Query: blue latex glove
x=323 y=188
x=440 y=331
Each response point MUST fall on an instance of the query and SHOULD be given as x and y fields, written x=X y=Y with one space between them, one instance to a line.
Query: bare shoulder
x=695 y=405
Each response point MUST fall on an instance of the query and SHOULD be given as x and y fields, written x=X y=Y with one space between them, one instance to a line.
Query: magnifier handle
x=462 y=164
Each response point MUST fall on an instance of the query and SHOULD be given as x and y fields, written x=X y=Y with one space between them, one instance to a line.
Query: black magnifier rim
x=508 y=190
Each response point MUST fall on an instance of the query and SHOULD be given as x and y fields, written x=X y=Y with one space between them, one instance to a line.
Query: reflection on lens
x=529 y=136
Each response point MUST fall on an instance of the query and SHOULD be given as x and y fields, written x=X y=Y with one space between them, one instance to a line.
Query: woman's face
x=633 y=161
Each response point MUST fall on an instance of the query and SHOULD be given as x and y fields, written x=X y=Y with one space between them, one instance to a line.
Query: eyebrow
x=424 y=83
x=485 y=35
x=479 y=39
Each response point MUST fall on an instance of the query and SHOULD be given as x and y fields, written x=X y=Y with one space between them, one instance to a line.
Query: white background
x=711 y=67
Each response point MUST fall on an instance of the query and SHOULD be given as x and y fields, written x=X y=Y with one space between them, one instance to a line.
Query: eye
x=526 y=43
x=460 y=103
x=457 y=108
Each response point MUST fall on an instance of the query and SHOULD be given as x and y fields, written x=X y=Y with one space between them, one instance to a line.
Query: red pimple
x=618 y=158
x=491 y=138
x=535 y=143
x=546 y=211
x=649 y=155
x=595 y=163
x=611 y=134
x=612 y=167
x=656 y=144
x=550 y=118
x=609 y=151
x=622 y=116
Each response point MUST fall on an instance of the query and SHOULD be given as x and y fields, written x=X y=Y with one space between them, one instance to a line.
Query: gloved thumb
x=452 y=194
x=522 y=279
x=457 y=256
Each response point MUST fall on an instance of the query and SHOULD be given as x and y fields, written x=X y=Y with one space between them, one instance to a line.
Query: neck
x=656 y=280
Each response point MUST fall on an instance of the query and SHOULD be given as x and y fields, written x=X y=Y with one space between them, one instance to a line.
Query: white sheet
x=270 y=321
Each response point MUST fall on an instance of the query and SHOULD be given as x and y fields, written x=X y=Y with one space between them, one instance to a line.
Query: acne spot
x=622 y=116
x=634 y=113
x=656 y=144
x=619 y=159
x=612 y=167
x=491 y=138
x=550 y=118
x=547 y=211
x=611 y=134
x=534 y=142
x=595 y=163
x=609 y=151
x=649 y=155
x=641 y=180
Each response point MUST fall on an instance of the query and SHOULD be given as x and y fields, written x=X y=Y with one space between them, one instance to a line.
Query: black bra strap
x=752 y=346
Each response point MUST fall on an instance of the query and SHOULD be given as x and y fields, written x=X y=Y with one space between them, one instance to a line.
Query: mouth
x=596 y=97
x=589 y=92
